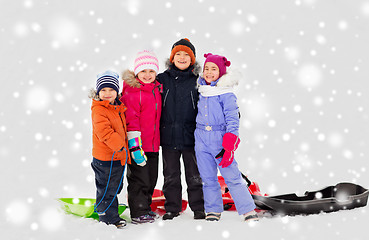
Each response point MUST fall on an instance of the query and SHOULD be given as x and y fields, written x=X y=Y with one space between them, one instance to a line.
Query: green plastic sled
x=83 y=207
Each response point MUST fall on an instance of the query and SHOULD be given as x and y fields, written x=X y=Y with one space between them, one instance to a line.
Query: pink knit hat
x=220 y=61
x=146 y=60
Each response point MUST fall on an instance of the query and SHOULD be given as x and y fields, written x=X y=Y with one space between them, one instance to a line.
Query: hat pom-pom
x=226 y=62
x=207 y=54
x=187 y=39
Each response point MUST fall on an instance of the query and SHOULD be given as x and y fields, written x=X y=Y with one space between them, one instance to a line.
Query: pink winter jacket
x=143 y=102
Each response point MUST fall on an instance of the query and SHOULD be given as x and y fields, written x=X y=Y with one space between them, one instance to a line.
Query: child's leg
x=193 y=180
x=172 y=187
x=211 y=187
x=138 y=189
x=153 y=163
x=102 y=170
x=238 y=188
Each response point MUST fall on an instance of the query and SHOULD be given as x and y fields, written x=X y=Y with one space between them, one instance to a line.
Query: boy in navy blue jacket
x=177 y=127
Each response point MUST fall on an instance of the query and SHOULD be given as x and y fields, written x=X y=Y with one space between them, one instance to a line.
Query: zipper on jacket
x=165 y=98
x=193 y=101
x=156 y=116
x=124 y=128
x=140 y=98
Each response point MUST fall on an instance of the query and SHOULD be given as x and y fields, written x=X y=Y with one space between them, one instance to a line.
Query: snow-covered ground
x=304 y=104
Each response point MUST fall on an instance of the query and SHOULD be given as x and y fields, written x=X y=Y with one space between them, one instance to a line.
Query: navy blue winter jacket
x=179 y=108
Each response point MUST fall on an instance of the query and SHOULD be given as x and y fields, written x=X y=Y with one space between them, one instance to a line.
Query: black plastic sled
x=333 y=198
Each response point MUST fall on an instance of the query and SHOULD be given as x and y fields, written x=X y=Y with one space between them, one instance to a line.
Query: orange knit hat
x=183 y=45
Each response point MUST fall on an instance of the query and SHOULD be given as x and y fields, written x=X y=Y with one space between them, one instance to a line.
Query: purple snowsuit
x=218 y=114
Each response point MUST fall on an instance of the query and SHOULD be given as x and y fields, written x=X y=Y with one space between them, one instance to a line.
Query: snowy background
x=304 y=103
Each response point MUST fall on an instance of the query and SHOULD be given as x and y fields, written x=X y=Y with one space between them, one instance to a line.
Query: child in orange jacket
x=110 y=146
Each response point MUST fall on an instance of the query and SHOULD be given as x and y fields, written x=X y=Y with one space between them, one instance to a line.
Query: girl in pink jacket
x=141 y=96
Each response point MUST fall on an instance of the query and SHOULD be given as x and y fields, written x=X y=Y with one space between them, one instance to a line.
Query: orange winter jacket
x=109 y=131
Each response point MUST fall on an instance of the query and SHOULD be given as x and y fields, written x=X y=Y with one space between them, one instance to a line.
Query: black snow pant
x=172 y=188
x=141 y=184
x=108 y=215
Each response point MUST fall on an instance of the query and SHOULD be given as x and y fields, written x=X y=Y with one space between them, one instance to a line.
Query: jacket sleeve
x=133 y=112
x=230 y=111
x=104 y=131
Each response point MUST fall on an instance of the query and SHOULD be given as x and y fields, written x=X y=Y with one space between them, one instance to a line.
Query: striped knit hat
x=146 y=60
x=107 y=79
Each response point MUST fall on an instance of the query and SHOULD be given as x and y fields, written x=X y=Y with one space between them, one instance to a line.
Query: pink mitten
x=230 y=144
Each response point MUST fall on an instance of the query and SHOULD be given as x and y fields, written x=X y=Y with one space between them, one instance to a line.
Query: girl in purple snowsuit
x=216 y=139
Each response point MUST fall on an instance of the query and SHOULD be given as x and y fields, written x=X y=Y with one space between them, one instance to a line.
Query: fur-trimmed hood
x=130 y=79
x=196 y=66
x=223 y=85
x=230 y=79
x=132 y=84
x=93 y=94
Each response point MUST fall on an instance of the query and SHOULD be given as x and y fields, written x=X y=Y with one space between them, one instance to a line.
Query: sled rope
x=107 y=184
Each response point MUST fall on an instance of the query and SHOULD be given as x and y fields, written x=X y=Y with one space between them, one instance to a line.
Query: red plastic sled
x=158 y=201
x=158 y=198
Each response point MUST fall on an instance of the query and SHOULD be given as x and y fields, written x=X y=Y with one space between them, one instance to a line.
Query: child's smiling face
x=182 y=60
x=147 y=75
x=211 y=72
x=108 y=94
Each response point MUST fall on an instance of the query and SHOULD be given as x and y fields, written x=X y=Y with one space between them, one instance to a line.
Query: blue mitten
x=135 y=147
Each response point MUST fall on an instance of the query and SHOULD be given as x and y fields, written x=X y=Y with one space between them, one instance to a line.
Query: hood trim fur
x=230 y=79
x=93 y=94
x=196 y=66
x=130 y=79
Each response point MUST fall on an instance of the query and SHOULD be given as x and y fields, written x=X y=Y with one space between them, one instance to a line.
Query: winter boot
x=121 y=223
x=212 y=216
x=199 y=215
x=170 y=215
x=153 y=214
x=251 y=216
x=143 y=219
